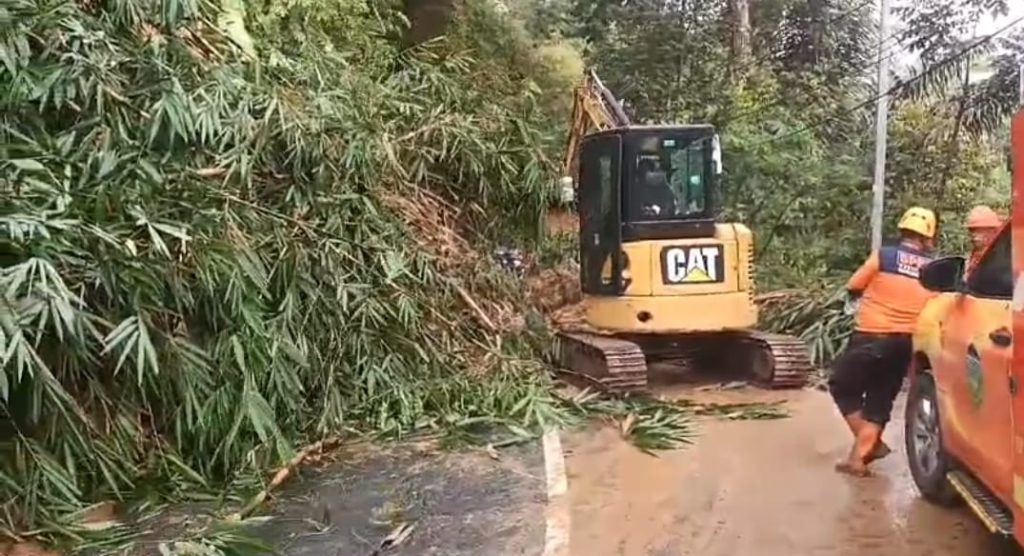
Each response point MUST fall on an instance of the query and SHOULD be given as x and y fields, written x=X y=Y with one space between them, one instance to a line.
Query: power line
x=888 y=53
x=758 y=110
x=944 y=62
x=756 y=60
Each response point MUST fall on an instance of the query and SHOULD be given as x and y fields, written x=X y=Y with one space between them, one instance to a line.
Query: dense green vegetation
x=199 y=271
x=202 y=270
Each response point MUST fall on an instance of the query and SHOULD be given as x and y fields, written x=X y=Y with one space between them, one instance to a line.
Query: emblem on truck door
x=692 y=264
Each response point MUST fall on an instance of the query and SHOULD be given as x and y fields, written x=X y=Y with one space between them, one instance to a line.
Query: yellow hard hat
x=918 y=220
x=982 y=216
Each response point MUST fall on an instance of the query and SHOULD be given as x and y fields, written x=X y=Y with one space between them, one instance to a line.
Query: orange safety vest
x=892 y=297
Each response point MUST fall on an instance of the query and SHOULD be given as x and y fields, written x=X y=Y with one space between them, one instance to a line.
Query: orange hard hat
x=983 y=217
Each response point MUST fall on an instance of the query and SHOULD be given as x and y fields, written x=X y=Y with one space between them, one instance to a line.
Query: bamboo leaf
x=27 y=164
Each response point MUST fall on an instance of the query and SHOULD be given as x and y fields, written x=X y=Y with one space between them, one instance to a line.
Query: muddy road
x=764 y=488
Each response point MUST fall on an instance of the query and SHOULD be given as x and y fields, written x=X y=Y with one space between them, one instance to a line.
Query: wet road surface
x=458 y=503
x=764 y=488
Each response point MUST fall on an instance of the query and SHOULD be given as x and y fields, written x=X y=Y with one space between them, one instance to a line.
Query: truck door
x=600 y=215
x=1017 y=366
x=975 y=364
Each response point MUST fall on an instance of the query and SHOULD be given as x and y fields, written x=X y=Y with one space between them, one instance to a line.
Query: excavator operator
x=655 y=195
x=868 y=375
x=982 y=223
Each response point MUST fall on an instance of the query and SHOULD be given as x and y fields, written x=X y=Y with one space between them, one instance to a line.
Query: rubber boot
x=856 y=422
x=868 y=437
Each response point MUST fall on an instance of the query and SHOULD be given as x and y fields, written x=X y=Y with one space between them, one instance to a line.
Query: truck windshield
x=670 y=179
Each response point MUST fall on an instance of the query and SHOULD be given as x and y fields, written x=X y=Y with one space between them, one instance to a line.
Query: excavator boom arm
x=594 y=106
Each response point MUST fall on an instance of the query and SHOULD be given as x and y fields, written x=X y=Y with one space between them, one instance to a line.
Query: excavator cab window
x=642 y=183
x=668 y=182
x=669 y=179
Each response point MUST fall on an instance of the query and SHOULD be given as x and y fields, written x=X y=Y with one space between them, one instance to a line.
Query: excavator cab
x=643 y=183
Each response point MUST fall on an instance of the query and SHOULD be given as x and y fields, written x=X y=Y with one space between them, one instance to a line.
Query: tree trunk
x=818 y=10
x=740 y=14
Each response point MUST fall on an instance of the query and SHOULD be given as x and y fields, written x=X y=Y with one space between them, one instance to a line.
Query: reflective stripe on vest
x=902 y=260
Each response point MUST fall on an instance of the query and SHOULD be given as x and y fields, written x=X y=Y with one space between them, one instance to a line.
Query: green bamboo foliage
x=816 y=315
x=197 y=273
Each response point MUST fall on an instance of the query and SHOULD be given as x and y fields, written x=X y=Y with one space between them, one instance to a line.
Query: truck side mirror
x=943 y=275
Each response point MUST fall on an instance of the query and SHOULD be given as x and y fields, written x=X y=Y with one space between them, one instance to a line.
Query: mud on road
x=743 y=488
x=764 y=488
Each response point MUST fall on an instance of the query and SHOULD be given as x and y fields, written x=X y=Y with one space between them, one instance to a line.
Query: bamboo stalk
x=282 y=474
x=481 y=315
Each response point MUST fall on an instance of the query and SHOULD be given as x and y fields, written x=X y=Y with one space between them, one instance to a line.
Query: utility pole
x=1021 y=84
x=881 y=128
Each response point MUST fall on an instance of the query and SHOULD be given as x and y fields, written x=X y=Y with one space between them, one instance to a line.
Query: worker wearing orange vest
x=982 y=223
x=868 y=375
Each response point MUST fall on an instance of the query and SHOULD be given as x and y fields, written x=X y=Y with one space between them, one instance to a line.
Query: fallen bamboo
x=481 y=315
x=282 y=474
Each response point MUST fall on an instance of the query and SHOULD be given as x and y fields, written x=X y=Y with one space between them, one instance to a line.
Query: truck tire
x=929 y=462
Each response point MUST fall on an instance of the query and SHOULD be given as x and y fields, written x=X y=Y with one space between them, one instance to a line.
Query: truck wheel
x=928 y=461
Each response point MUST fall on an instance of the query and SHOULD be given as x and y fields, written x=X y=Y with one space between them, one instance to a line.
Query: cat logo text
x=692 y=264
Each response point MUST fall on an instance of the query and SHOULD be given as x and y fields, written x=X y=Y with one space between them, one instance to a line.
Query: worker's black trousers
x=868 y=376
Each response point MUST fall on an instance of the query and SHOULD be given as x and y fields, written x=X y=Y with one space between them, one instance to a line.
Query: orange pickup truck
x=965 y=410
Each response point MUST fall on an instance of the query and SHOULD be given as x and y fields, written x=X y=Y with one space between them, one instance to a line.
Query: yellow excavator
x=661 y=279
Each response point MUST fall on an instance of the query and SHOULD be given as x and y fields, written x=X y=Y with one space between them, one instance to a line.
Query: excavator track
x=619 y=364
x=782 y=361
x=613 y=364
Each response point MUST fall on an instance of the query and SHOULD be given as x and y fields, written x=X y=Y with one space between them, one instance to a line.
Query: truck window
x=993 y=276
